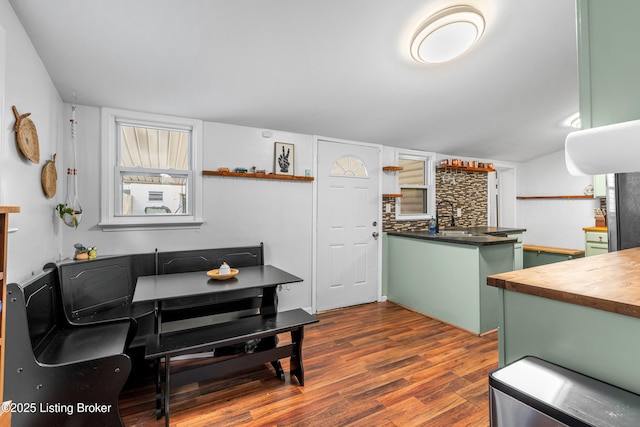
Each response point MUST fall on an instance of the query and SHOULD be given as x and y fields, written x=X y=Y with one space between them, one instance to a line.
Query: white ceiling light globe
x=447 y=34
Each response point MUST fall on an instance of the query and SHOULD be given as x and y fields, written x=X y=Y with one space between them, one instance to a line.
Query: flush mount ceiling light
x=447 y=34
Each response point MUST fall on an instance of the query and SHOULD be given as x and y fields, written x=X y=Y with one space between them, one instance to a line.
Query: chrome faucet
x=453 y=220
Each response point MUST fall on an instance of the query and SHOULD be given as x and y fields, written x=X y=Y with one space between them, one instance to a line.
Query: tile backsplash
x=467 y=190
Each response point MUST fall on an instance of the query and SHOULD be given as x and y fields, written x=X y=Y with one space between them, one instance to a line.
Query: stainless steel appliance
x=532 y=392
x=623 y=210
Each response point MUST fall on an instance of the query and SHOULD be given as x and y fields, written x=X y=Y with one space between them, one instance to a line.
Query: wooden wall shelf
x=9 y=209
x=467 y=169
x=392 y=168
x=258 y=176
x=581 y=197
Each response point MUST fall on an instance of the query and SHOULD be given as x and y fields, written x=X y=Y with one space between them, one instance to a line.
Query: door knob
x=375 y=234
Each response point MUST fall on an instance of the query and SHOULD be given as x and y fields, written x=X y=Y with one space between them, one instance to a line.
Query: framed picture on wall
x=283 y=158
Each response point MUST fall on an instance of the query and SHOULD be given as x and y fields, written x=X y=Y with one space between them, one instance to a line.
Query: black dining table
x=169 y=291
x=177 y=291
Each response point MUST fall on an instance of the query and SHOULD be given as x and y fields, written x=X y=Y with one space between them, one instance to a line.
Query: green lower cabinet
x=385 y=265
x=518 y=253
x=596 y=242
x=597 y=343
x=447 y=281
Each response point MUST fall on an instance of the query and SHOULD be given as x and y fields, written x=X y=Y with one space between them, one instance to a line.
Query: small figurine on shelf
x=83 y=252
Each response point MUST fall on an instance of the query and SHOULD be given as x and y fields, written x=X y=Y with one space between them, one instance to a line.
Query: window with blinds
x=151 y=170
x=415 y=185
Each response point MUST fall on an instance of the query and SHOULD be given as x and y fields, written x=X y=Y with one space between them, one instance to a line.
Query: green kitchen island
x=444 y=276
x=582 y=314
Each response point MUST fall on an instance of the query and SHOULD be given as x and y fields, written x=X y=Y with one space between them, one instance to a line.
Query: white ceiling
x=335 y=68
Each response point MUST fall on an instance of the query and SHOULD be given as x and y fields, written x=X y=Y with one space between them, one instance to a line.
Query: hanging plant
x=71 y=211
x=68 y=215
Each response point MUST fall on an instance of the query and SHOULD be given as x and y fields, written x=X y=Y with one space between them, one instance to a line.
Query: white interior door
x=347 y=224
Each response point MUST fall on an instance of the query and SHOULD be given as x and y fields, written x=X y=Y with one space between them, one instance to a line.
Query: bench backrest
x=40 y=296
x=89 y=287
x=209 y=259
x=95 y=286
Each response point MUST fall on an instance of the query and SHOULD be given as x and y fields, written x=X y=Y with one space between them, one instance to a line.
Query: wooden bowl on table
x=215 y=274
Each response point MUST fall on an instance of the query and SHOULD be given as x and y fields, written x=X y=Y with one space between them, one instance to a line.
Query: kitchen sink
x=457 y=233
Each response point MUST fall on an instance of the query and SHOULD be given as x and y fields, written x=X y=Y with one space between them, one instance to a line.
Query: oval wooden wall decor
x=49 y=178
x=27 y=136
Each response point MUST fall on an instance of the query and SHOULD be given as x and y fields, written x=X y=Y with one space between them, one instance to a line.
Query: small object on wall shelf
x=467 y=168
x=392 y=168
x=554 y=197
x=258 y=176
x=391 y=196
x=283 y=158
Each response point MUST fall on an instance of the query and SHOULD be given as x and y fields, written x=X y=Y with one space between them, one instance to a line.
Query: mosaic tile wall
x=467 y=190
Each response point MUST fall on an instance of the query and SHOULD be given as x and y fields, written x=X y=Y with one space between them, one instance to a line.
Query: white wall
x=236 y=211
x=28 y=86
x=554 y=222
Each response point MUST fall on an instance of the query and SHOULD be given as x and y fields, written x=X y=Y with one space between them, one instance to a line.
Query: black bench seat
x=49 y=361
x=85 y=343
x=209 y=337
x=206 y=338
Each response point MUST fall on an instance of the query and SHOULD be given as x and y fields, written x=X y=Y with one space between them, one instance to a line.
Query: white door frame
x=314 y=261
x=507 y=185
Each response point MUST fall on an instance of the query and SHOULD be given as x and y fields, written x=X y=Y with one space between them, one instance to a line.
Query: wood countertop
x=609 y=282
x=598 y=229
x=9 y=209
x=562 y=251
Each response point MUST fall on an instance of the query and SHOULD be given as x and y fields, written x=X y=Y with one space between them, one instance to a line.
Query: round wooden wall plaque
x=27 y=136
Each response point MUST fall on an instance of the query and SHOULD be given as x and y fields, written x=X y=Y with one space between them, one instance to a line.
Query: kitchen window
x=416 y=186
x=149 y=159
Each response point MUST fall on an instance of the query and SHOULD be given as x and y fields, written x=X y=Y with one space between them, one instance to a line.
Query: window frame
x=111 y=170
x=346 y=173
x=429 y=178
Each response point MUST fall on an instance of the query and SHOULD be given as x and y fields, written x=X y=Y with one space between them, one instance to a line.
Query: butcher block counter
x=608 y=282
x=583 y=314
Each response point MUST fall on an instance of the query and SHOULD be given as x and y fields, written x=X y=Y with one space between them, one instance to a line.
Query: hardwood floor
x=371 y=365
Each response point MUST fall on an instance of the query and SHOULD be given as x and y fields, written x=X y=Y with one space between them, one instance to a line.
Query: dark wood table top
x=177 y=285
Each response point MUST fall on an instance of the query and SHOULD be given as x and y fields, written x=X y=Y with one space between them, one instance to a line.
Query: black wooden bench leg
x=156 y=366
x=167 y=389
x=278 y=367
x=296 y=355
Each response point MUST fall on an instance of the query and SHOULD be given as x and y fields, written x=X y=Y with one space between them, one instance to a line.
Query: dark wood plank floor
x=371 y=365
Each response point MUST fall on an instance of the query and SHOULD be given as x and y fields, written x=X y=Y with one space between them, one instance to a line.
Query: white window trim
x=430 y=177
x=108 y=220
